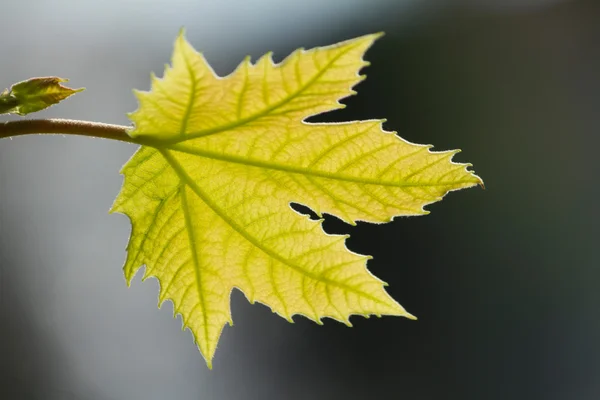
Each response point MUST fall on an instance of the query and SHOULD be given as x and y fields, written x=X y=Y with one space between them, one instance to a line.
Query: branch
x=65 y=127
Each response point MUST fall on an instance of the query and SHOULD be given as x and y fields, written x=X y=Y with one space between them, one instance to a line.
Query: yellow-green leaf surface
x=209 y=193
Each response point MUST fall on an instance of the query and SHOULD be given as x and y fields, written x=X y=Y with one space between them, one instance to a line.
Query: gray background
x=504 y=281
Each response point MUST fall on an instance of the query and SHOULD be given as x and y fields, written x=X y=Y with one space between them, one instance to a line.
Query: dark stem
x=65 y=127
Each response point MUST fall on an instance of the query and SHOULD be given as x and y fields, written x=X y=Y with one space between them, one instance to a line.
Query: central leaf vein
x=303 y=170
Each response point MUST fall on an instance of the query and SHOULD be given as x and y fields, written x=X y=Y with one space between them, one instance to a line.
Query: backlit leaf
x=209 y=192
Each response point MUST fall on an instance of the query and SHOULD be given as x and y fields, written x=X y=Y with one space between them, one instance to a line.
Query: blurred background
x=504 y=280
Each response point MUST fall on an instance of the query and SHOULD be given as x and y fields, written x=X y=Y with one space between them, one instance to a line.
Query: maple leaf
x=209 y=192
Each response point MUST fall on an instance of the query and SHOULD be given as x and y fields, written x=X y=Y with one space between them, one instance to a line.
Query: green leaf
x=34 y=94
x=209 y=193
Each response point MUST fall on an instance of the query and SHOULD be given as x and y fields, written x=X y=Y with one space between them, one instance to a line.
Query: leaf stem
x=66 y=127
